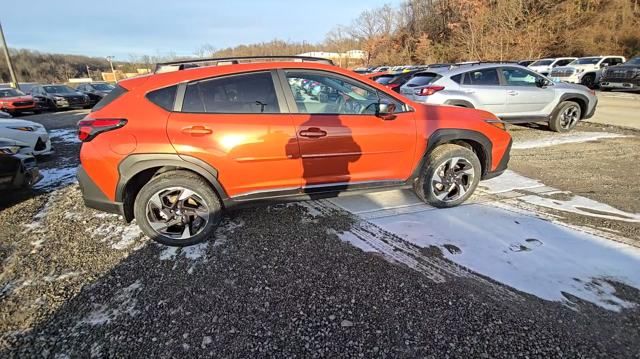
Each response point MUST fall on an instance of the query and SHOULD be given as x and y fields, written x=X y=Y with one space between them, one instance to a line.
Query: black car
x=526 y=63
x=95 y=90
x=57 y=97
x=624 y=76
x=395 y=80
x=16 y=170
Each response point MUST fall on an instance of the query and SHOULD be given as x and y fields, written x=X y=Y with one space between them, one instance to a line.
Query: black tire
x=558 y=124
x=173 y=179
x=424 y=186
x=589 y=80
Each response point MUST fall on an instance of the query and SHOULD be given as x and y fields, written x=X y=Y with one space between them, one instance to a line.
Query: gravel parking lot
x=541 y=263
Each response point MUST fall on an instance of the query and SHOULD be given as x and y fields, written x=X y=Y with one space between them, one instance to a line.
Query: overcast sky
x=124 y=27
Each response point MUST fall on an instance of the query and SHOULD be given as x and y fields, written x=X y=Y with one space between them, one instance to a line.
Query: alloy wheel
x=177 y=213
x=452 y=179
x=569 y=117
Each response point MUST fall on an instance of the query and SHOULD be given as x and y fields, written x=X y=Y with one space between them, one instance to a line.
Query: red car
x=14 y=101
x=176 y=148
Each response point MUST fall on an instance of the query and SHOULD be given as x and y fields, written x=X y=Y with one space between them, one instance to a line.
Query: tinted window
x=563 y=62
x=457 y=78
x=587 y=61
x=519 y=77
x=250 y=93
x=484 y=77
x=163 y=97
x=384 y=79
x=542 y=63
x=117 y=92
x=634 y=61
x=58 y=89
x=421 y=79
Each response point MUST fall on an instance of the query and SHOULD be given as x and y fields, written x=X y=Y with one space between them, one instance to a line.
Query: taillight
x=89 y=128
x=429 y=90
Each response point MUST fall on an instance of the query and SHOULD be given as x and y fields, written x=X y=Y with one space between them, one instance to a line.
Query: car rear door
x=237 y=125
x=524 y=97
x=342 y=141
x=482 y=87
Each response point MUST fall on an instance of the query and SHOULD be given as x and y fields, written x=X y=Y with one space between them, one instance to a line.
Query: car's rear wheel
x=566 y=117
x=178 y=208
x=449 y=176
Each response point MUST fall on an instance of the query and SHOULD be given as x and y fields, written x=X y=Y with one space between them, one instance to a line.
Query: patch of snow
x=69 y=135
x=354 y=240
x=61 y=277
x=168 y=253
x=583 y=206
x=196 y=252
x=509 y=181
x=54 y=178
x=117 y=235
x=124 y=302
x=128 y=236
x=563 y=138
x=511 y=245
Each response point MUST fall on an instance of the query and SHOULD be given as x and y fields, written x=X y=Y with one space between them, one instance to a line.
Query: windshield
x=58 y=89
x=586 y=61
x=10 y=93
x=542 y=63
x=634 y=61
x=103 y=87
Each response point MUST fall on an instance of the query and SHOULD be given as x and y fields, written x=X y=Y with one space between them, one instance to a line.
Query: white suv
x=585 y=70
x=544 y=66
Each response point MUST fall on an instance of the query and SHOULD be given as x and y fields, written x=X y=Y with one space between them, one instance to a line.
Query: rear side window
x=484 y=77
x=164 y=97
x=110 y=97
x=421 y=79
x=457 y=78
x=247 y=93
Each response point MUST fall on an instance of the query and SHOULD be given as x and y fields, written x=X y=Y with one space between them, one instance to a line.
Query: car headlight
x=23 y=128
x=9 y=150
x=58 y=98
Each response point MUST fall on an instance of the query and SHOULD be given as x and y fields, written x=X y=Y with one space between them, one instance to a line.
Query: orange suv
x=176 y=148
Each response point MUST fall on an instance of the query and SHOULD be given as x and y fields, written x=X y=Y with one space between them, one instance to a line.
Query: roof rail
x=185 y=64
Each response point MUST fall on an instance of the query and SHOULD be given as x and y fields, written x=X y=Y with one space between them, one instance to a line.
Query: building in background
x=350 y=58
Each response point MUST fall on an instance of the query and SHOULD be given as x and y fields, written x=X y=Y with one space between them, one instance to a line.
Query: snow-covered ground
x=520 y=246
x=563 y=138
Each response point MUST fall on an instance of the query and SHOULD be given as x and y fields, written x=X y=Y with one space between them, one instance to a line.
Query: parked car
x=585 y=70
x=394 y=81
x=172 y=150
x=58 y=97
x=525 y=63
x=544 y=66
x=625 y=76
x=17 y=170
x=95 y=90
x=514 y=93
x=15 y=102
x=31 y=137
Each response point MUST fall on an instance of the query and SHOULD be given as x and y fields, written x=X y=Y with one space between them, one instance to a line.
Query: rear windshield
x=421 y=79
x=114 y=94
x=384 y=79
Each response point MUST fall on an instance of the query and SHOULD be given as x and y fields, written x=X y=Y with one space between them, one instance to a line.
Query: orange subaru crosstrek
x=175 y=148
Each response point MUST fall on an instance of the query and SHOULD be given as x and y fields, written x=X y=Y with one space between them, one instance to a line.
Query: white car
x=544 y=66
x=32 y=137
x=585 y=70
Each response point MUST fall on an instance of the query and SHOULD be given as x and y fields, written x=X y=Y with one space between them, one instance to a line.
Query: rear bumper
x=94 y=197
x=623 y=85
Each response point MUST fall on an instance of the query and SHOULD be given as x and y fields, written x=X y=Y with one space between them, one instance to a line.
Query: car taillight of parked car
x=429 y=90
x=394 y=87
x=89 y=128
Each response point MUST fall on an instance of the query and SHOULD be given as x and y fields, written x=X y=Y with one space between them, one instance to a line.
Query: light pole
x=12 y=73
x=113 y=72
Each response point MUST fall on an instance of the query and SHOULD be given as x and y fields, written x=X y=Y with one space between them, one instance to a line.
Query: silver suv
x=512 y=92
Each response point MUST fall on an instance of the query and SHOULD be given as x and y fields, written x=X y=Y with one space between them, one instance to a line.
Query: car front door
x=482 y=86
x=524 y=96
x=343 y=143
x=236 y=124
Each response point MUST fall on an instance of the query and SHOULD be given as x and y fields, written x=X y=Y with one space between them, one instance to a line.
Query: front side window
x=563 y=62
x=587 y=61
x=545 y=62
x=519 y=77
x=247 y=93
x=326 y=94
x=10 y=93
x=483 y=77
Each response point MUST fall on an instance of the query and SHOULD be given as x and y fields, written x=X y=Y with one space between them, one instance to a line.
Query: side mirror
x=541 y=82
x=386 y=111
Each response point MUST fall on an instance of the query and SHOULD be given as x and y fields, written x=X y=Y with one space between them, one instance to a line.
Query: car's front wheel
x=449 y=176
x=566 y=117
x=178 y=208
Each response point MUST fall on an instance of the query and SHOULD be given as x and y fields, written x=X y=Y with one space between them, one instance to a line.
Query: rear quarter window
x=422 y=79
x=110 y=97
x=164 y=97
